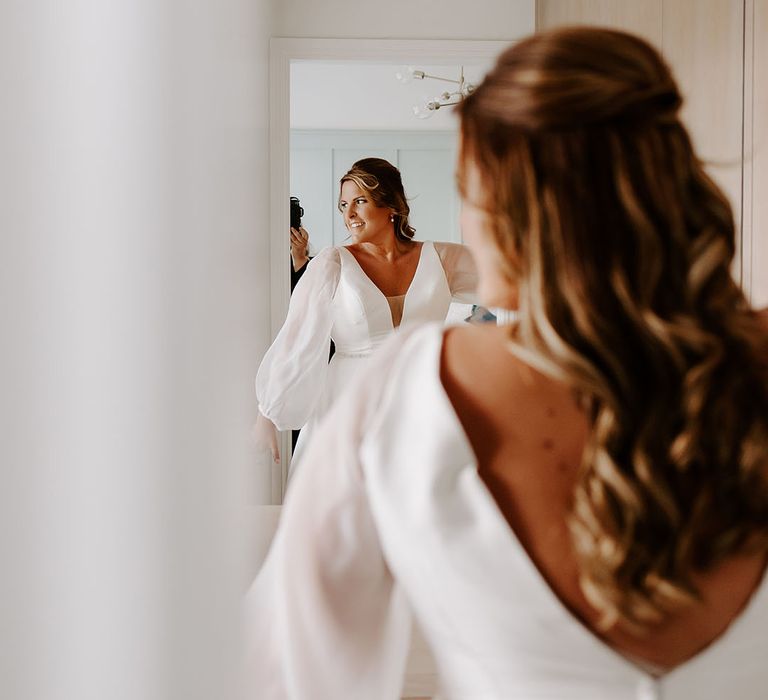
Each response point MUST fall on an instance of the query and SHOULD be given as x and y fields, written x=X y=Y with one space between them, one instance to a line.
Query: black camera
x=297 y=211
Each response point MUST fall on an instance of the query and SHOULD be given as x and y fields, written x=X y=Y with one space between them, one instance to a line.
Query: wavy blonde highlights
x=621 y=248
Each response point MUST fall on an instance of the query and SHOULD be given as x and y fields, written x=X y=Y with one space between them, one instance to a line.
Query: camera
x=297 y=211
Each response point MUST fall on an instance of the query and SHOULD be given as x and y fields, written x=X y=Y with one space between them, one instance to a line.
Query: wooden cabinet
x=716 y=49
x=643 y=18
x=756 y=150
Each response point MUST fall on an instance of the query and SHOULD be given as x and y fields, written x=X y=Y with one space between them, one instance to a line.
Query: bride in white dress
x=356 y=295
x=574 y=507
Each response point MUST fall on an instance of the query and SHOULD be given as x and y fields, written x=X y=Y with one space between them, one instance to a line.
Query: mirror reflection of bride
x=355 y=295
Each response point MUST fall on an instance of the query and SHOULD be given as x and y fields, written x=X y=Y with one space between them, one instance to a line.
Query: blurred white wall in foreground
x=133 y=306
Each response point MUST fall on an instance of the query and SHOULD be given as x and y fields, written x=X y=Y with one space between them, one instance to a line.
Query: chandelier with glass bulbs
x=430 y=105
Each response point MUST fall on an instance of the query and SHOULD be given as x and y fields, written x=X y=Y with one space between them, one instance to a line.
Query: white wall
x=133 y=306
x=404 y=19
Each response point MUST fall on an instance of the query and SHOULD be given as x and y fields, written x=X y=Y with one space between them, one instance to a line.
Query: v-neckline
x=376 y=287
x=761 y=589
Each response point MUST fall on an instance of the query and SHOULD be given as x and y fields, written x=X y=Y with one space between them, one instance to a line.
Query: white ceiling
x=346 y=95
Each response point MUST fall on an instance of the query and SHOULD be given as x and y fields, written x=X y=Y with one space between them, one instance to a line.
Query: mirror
x=334 y=102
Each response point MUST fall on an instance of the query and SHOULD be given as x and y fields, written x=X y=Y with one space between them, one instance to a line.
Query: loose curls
x=382 y=182
x=621 y=247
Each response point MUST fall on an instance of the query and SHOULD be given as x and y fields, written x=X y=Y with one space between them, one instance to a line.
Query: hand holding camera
x=299 y=236
x=299 y=248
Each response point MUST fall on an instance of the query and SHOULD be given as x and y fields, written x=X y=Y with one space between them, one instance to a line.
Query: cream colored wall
x=403 y=19
x=704 y=43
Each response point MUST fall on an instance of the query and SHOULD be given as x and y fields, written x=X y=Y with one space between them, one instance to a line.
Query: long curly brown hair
x=621 y=246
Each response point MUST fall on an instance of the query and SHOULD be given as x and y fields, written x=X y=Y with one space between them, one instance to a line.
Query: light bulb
x=404 y=74
x=421 y=112
x=427 y=107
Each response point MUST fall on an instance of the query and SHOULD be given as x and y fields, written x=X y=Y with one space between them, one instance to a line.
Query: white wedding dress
x=392 y=521
x=335 y=299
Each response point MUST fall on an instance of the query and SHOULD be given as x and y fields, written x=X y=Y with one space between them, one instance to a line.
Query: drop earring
x=392 y=218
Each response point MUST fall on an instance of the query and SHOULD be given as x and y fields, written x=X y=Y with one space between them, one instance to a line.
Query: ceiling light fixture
x=430 y=105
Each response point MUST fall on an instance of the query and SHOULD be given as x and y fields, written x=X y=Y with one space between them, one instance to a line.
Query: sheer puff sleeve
x=292 y=374
x=460 y=271
x=325 y=618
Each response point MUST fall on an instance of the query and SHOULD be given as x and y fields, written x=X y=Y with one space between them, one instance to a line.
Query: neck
x=388 y=246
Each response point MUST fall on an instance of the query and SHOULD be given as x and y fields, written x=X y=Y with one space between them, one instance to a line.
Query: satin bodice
x=362 y=317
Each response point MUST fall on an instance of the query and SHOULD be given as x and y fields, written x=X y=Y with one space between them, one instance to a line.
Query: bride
x=355 y=295
x=573 y=506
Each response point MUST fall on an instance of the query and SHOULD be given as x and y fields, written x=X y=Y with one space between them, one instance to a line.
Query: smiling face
x=364 y=220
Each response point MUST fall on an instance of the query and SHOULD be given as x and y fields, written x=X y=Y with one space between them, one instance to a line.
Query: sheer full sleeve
x=325 y=619
x=292 y=374
x=460 y=271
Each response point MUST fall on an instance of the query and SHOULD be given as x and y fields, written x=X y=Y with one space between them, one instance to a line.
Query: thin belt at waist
x=352 y=353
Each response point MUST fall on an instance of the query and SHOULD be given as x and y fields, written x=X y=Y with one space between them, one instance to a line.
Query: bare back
x=528 y=435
